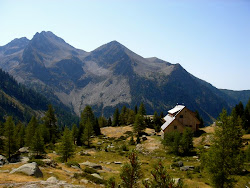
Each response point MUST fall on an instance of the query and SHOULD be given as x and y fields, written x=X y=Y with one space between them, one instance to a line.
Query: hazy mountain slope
x=242 y=96
x=109 y=77
x=22 y=103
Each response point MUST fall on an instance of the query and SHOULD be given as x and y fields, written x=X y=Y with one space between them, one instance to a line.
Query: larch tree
x=66 y=147
x=224 y=157
x=139 y=124
x=86 y=115
x=10 y=140
x=116 y=122
x=142 y=109
x=50 y=121
x=74 y=133
x=30 y=130
x=88 y=132
x=131 y=172
x=37 y=144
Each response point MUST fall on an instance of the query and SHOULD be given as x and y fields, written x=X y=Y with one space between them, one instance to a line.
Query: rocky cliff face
x=108 y=77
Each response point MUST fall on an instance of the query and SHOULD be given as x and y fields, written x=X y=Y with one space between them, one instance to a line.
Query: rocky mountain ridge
x=107 y=77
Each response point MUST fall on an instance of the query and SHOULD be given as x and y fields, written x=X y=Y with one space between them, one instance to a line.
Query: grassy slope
x=152 y=152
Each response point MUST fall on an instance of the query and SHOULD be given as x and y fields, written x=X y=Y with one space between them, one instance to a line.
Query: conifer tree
x=131 y=172
x=123 y=116
x=161 y=179
x=103 y=122
x=10 y=140
x=66 y=147
x=116 y=118
x=131 y=117
x=139 y=124
x=142 y=110
x=44 y=133
x=136 y=109
x=37 y=144
x=20 y=135
x=96 y=128
x=50 y=122
x=74 y=133
x=109 y=124
x=88 y=132
x=86 y=115
x=30 y=130
x=224 y=157
x=157 y=122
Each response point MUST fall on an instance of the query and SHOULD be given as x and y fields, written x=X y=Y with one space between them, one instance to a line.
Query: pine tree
x=224 y=157
x=96 y=128
x=136 y=109
x=123 y=118
x=139 y=124
x=37 y=144
x=45 y=133
x=50 y=122
x=142 y=110
x=88 y=132
x=157 y=122
x=10 y=140
x=20 y=135
x=161 y=179
x=131 y=172
x=103 y=122
x=74 y=133
x=197 y=115
x=86 y=115
x=246 y=117
x=30 y=130
x=109 y=124
x=131 y=117
x=116 y=118
x=66 y=147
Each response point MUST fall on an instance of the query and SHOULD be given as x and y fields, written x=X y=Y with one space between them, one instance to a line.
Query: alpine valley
x=108 y=77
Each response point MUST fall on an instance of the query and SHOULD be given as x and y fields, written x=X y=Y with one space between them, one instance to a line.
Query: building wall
x=187 y=119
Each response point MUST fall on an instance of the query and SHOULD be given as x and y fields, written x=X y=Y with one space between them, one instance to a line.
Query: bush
x=189 y=175
x=247 y=154
x=72 y=163
x=124 y=147
x=38 y=161
x=197 y=169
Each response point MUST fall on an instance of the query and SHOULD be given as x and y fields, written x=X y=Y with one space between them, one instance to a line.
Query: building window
x=181 y=116
x=175 y=127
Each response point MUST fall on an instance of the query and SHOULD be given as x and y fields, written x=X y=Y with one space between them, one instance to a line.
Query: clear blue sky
x=209 y=38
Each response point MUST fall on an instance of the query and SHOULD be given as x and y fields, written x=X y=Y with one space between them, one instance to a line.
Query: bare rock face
x=30 y=169
x=92 y=165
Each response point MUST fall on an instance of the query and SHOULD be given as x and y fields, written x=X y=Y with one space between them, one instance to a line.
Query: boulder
x=30 y=169
x=52 y=180
x=50 y=162
x=24 y=150
x=92 y=165
x=3 y=160
x=15 y=158
x=180 y=163
x=144 y=137
x=96 y=175
x=84 y=181
x=186 y=168
x=177 y=180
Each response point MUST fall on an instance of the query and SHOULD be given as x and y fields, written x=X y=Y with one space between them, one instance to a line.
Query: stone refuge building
x=178 y=119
